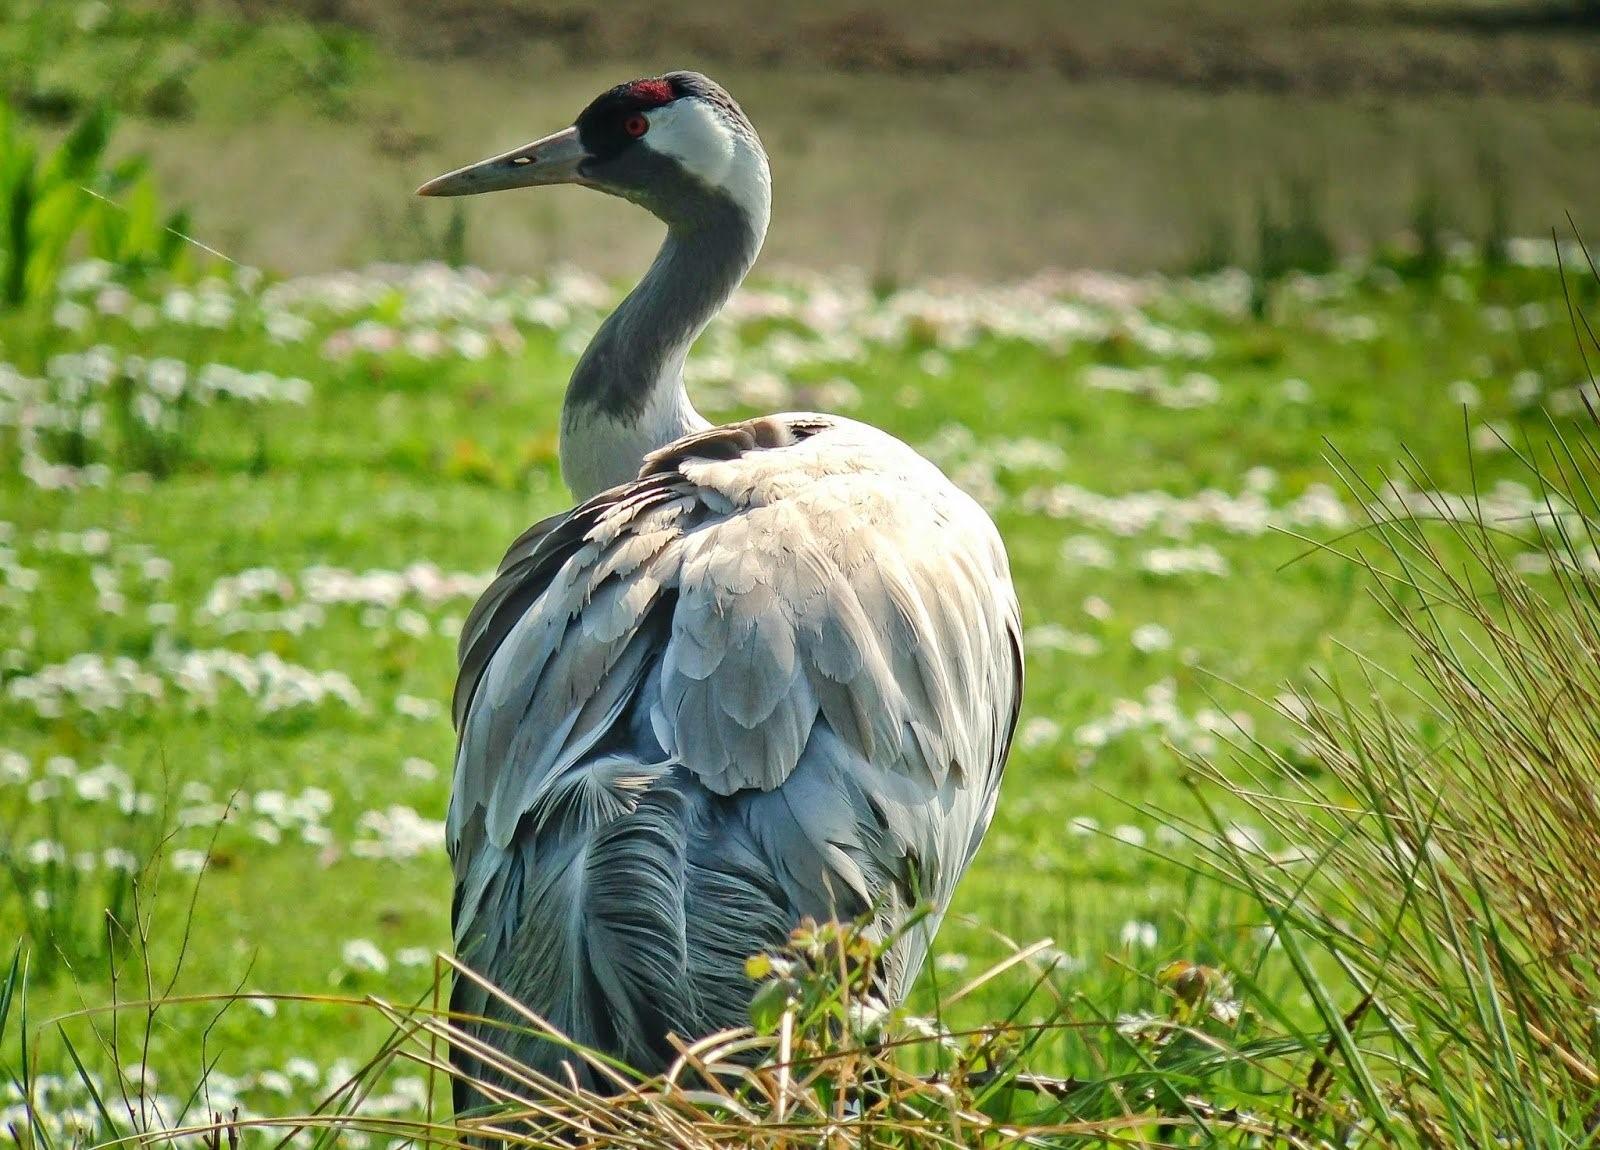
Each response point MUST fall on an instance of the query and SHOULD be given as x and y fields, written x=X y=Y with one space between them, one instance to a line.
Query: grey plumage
x=772 y=676
x=759 y=683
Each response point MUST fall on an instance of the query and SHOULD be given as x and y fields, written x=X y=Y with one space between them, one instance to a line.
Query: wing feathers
x=776 y=676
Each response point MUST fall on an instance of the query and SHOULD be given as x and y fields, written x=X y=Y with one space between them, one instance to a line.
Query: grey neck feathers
x=627 y=395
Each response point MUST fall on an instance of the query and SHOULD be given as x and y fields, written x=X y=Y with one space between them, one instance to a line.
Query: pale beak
x=552 y=160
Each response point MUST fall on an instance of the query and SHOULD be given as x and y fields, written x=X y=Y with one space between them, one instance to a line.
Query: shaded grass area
x=1132 y=137
x=1352 y=47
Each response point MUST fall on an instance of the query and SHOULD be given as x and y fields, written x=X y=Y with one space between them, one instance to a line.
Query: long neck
x=627 y=397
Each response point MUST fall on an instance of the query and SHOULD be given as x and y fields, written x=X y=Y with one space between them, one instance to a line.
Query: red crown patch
x=651 y=92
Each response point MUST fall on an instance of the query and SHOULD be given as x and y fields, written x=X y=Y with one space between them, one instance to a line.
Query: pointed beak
x=552 y=160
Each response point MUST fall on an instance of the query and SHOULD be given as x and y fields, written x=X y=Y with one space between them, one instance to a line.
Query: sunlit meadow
x=242 y=518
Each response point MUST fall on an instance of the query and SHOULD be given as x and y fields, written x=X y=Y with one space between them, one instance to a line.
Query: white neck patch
x=692 y=133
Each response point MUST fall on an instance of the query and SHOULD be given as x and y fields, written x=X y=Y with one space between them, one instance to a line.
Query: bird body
x=764 y=672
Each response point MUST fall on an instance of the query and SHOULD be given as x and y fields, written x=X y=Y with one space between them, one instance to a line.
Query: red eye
x=636 y=125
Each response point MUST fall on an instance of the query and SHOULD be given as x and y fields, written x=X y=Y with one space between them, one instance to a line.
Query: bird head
x=677 y=144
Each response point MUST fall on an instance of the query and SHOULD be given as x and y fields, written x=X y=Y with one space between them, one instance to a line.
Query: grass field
x=242 y=516
x=242 y=521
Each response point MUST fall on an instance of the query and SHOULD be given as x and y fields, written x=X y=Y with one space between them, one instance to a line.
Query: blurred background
x=933 y=137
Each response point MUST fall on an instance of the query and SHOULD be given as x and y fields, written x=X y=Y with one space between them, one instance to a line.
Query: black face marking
x=601 y=125
x=629 y=166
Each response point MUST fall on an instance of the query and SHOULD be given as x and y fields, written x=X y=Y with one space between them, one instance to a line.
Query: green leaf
x=768 y=1004
x=80 y=153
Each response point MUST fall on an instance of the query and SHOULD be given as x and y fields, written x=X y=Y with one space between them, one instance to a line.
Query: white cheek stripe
x=692 y=134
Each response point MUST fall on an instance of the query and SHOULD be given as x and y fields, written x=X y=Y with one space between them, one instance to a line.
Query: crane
x=762 y=672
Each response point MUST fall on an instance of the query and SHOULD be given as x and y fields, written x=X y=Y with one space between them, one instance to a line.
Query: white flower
x=1055 y=637
x=189 y=861
x=44 y=852
x=413 y=623
x=1097 y=608
x=86 y=275
x=423 y=710
x=363 y=955
x=1136 y=1025
x=284 y=327
x=1226 y=1010
x=1490 y=438
x=1039 y=731
x=166 y=378
x=1127 y=833
x=116 y=858
x=161 y=614
x=471 y=344
x=1246 y=839
x=397 y=833
x=1292 y=706
x=1526 y=387
x=71 y=315
x=1169 y=561
x=1296 y=391
x=1150 y=638
x=313 y=803
x=1086 y=551
x=420 y=769
x=866 y=1014
x=1195 y=389
x=14 y=768
x=92 y=788
x=207 y=815
x=1059 y=960
x=1138 y=935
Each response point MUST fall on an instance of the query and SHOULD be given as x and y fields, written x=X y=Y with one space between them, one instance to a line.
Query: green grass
x=396 y=460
